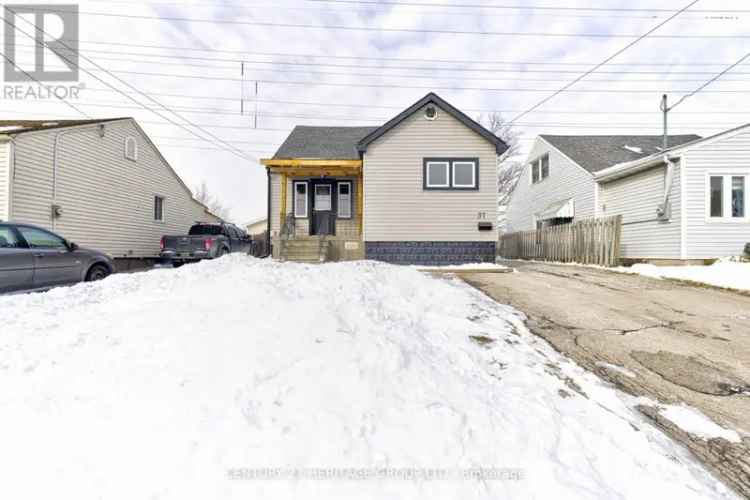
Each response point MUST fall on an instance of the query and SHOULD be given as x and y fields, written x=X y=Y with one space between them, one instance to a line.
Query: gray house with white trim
x=420 y=189
x=686 y=202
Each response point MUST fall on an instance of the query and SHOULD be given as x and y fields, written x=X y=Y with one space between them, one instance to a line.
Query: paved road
x=682 y=343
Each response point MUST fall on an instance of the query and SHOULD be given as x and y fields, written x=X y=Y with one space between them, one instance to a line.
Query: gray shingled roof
x=597 y=152
x=323 y=143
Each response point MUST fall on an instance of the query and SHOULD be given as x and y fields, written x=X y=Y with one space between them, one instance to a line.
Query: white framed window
x=464 y=174
x=437 y=174
x=300 y=199
x=322 y=198
x=344 y=200
x=727 y=197
x=540 y=169
x=131 y=148
x=159 y=208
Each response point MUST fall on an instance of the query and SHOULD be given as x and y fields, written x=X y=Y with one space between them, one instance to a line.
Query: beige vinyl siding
x=710 y=239
x=107 y=200
x=566 y=180
x=4 y=179
x=636 y=198
x=397 y=208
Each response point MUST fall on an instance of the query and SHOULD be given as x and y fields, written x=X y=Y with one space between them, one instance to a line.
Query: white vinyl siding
x=707 y=238
x=107 y=200
x=566 y=180
x=4 y=180
x=636 y=198
x=398 y=208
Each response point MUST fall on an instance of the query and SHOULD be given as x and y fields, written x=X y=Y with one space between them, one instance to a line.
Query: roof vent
x=634 y=149
x=430 y=112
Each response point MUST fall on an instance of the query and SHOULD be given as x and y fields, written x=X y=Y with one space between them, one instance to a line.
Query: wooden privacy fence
x=592 y=241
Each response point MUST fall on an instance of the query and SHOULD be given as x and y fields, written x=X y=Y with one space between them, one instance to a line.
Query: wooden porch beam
x=299 y=162
x=360 y=203
x=282 y=215
x=315 y=172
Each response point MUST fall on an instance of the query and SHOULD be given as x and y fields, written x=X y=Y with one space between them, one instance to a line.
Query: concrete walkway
x=682 y=343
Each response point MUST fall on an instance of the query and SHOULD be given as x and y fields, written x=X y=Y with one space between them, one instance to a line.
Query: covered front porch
x=315 y=209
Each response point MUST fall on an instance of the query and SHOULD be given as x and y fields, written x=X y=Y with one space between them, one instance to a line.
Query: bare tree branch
x=217 y=208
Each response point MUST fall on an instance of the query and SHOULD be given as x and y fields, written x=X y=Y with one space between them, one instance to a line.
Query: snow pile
x=693 y=421
x=164 y=384
x=723 y=273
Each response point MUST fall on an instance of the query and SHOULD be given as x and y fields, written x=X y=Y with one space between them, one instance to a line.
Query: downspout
x=662 y=211
x=268 y=214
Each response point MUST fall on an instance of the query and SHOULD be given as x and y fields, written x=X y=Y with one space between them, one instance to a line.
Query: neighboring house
x=257 y=227
x=421 y=189
x=100 y=183
x=686 y=202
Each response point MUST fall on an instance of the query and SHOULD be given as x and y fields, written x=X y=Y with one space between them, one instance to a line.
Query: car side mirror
x=73 y=246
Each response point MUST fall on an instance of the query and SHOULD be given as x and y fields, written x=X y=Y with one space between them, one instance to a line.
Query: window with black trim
x=451 y=174
x=345 y=200
x=300 y=200
x=540 y=169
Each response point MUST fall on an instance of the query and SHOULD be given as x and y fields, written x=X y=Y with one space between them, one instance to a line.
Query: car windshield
x=205 y=229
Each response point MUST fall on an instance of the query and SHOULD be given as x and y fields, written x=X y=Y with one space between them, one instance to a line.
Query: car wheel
x=97 y=272
x=219 y=252
x=176 y=264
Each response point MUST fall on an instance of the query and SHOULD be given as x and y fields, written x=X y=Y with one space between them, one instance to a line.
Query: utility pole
x=256 y=104
x=242 y=88
x=665 y=110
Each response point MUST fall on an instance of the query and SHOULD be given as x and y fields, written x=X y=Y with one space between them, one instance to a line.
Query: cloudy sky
x=346 y=62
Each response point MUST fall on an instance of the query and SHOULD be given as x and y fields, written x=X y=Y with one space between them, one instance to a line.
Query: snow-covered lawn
x=175 y=384
x=723 y=273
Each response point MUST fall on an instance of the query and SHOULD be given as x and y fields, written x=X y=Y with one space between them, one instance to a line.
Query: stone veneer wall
x=431 y=253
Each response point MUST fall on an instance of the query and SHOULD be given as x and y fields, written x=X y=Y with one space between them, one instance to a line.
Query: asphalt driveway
x=671 y=342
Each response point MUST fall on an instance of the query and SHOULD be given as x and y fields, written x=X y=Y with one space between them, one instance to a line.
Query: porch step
x=311 y=249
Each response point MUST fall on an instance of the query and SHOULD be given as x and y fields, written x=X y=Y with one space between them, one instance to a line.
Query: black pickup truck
x=205 y=240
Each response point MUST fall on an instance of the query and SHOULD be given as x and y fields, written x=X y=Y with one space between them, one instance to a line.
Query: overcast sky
x=363 y=77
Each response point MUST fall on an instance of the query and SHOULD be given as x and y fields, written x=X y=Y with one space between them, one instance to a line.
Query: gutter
x=625 y=169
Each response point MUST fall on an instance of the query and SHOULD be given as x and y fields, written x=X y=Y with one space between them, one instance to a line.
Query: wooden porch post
x=282 y=215
x=360 y=204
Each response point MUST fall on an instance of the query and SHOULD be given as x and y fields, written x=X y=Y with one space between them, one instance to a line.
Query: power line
x=455 y=12
x=527 y=7
x=244 y=53
x=709 y=82
x=268 y=24
x=418 y=87
x=242 y=155
x=567 y=86
x=69 y=104
x=377 y=120
x=422 y=76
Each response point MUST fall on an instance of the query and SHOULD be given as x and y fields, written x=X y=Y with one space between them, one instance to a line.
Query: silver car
x=33 y=258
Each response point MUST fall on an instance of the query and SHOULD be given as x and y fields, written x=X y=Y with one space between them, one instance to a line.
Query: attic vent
x=430 y=112
x=634 y=149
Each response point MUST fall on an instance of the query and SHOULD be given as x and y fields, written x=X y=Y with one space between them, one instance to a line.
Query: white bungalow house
x=101 y=183
x=686 y=202
x=420 y=189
